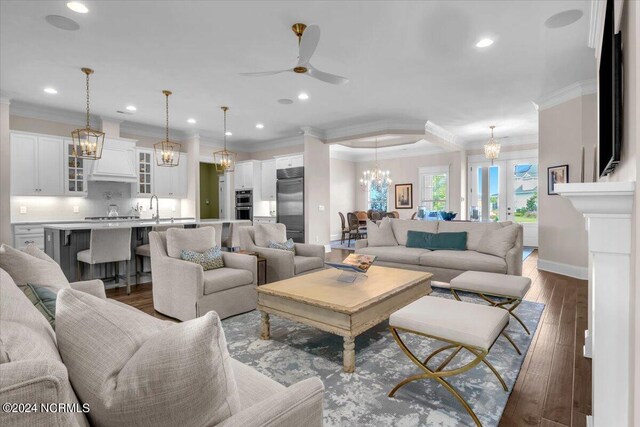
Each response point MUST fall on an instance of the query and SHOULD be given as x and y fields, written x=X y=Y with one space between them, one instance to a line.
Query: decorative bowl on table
x=448 y=216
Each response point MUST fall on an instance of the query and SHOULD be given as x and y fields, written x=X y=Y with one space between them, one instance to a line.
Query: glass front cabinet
x=76 y=170
x=144 y=166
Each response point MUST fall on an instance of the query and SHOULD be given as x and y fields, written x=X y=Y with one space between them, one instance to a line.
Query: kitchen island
x=62 y=241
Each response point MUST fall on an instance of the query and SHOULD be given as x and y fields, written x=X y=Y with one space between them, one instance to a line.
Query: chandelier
x=376 y=177
x=87 y=142
x=492 y=148
x=224 y=160
x=167 y=153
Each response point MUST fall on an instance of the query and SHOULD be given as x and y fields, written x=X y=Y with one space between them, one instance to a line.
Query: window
x=434 y=188
x=378 y=197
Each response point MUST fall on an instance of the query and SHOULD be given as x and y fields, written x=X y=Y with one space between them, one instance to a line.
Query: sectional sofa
x=492 y=246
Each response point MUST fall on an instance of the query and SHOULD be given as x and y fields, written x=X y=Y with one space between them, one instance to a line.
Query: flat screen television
x=610 y=102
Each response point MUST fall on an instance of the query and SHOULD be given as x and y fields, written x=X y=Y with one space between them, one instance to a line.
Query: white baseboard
x=334 y=237
x=327 y=248
x=564 y=269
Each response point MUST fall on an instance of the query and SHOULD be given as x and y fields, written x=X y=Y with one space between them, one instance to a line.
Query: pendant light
x=87 y=142
x=492 y=148
x=224 y=160
x=167 y=153
x=376 y=177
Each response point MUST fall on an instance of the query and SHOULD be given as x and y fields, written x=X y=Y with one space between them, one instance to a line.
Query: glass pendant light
x=224 y=160
x=87 y=142
x=492 y=147
x=167 y=153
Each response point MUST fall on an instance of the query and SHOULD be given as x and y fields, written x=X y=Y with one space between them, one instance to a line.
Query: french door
x=506 y=191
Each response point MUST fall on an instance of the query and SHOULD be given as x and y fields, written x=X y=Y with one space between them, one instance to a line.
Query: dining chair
x=376 y=216
x=396 y=214
x=143 y=251
x=369 y=212
x=413 y=216
x=354 y=227
x=344 y=231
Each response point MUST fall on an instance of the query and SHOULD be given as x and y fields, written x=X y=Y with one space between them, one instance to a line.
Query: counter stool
x=143 y=251
x=108 y=245
x=460 y=326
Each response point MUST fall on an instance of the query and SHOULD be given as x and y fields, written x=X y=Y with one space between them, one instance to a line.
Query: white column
x=607 y=207
x=191 y=205
x=6 y=234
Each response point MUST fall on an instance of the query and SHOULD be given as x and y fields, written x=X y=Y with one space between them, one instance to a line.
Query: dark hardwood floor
x=554 y=385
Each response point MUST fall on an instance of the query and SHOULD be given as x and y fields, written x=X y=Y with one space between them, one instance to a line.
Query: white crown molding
x=360 y=155
x=276 y=143
x=314 y=132
x=596 y=25
x=446 y=139
x=505 y=142
x=380 y=127
x=575 y=90
x=40 y=112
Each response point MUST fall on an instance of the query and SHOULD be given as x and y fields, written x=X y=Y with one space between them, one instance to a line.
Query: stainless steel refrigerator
x=290 y=202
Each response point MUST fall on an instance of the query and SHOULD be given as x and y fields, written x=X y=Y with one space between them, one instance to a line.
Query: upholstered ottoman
x=506 y=290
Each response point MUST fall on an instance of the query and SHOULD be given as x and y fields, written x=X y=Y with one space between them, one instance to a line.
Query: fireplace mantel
x=607 y=208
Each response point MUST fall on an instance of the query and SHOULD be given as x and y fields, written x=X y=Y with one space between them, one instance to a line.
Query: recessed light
x=259 y=126
x=131 y=108
x=50 y=90
x=192 y=121
x=228 y=133
x=302 y=96
x=78 y=7
x=484 y=43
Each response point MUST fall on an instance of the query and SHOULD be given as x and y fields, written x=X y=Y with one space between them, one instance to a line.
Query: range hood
x=117 y=163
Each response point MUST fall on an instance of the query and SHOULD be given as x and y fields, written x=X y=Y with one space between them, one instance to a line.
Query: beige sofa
x=32 y=372
x=445 y=264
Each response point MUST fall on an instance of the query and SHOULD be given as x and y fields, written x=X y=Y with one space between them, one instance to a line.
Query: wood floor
x=554 y=385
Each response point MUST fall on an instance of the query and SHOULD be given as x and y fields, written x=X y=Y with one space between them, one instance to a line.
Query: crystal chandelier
x=167 y=153
x=492 y=148
x=375 y=177
x=87 y=142
x=224 y=160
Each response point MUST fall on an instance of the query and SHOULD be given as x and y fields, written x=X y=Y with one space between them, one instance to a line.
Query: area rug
x=335 y=244
x=296 y=352
x=526 y=251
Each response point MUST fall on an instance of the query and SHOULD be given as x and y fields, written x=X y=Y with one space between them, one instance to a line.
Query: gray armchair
x=282 y=264
x=183 y=290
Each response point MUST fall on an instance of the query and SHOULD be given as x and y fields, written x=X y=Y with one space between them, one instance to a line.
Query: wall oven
x=244 y=198
x=244 y=212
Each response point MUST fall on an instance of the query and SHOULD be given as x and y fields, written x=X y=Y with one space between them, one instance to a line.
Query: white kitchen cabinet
x=75 y=172
x=28 y=233
x=268 y=174
x=144 y=169
x=171 y=182
x=293 y=161
x=36 y=165
x=117 y=163
x=243 y=176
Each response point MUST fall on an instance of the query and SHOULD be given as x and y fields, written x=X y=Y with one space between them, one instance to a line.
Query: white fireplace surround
x=608 y=208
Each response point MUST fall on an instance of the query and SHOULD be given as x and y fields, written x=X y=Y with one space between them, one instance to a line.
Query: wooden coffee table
x=345 y=309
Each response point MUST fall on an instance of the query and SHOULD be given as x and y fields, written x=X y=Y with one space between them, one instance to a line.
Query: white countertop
x=92 y=225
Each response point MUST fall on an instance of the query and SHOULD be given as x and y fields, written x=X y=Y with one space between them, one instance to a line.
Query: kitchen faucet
x=157 y=215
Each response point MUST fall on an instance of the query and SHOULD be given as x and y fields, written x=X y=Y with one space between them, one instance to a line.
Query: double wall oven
x=244 y=204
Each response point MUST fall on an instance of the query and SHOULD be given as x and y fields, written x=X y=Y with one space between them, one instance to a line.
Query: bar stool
x=143 y=251
x=105 y=246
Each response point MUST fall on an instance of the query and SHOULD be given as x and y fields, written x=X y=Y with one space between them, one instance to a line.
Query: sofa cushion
x=380 y=234
x=402 y=226
x=253 y=386
x=25 y=268
x=399 y=254
x=135 y=370
x=265 y=232
x=26 y=336
x=303 y=264
x=464 y=260
x=474 y=230
x=437 y=241
x=225 y=278
x=44 y=300
x=498 y=242
x=190 y=239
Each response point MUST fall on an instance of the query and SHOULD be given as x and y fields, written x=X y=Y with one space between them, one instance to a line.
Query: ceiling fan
x=308 y=38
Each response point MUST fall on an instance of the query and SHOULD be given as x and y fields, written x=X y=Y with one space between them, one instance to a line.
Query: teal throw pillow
x=209 y=259
x=437 y=241
x=44 y=300
x=289 y=245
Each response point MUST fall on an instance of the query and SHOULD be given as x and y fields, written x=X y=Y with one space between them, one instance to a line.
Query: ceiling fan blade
x=264 y=73
x=310 y=39
x=326 y=77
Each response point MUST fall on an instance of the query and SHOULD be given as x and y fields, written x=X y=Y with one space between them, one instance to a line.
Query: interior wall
x=209 y=191
x=563 y=130
x=6 y=233
x=343 y=192
x=405 y=171
x=317 y=197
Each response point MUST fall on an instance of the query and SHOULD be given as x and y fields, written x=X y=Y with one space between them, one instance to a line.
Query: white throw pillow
x=36 y=270
x=498 y=242
x=380 y=234
x=266 y=232
x=189 y=239
x=133 y=369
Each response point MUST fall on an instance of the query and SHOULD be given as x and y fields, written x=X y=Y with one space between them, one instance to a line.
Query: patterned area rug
x=296 y=352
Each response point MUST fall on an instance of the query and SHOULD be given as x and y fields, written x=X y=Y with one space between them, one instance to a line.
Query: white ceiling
x=406 y=61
